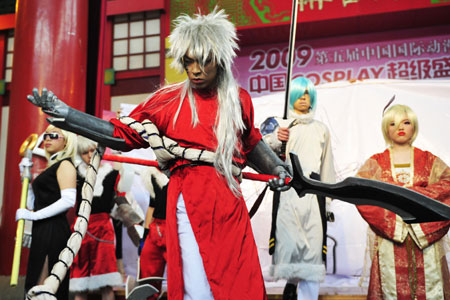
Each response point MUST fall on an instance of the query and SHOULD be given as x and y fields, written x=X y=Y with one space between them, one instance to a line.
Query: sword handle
x=273 y=228
x=283 y=151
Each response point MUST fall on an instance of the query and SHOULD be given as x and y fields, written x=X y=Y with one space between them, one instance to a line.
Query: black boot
x=290 y=292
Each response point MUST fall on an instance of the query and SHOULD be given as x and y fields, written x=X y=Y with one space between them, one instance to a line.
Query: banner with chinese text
x=258 y=13
x=407 y=54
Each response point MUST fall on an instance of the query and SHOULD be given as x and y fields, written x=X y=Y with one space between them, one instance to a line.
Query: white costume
x=298 y=249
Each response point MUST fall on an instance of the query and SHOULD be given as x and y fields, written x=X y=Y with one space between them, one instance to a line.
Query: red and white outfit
x=154 y=253
x=95 y=265
x=219 y=219
x=409 y=260
x=153 y=258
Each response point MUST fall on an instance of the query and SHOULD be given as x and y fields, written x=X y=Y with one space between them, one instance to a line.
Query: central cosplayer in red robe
x=219 y=219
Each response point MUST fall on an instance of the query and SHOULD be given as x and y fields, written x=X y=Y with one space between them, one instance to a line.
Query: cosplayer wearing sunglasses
x=54 y=192
x=52 y=136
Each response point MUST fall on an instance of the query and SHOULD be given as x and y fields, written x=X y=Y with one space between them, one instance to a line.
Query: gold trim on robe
x=409 y=260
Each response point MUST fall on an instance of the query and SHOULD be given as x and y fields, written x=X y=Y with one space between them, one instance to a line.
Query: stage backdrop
x=353 y=113
x=407 y=54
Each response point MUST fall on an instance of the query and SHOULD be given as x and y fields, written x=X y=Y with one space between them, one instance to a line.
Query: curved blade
x=413 y=207
x=142 y=292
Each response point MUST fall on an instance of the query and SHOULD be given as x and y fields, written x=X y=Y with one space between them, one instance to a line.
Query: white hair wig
x=212 y=37
x=201 y=36
x=84 y=144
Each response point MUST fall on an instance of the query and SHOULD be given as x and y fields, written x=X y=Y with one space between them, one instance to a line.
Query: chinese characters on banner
x=262 y=69
x=320 y=3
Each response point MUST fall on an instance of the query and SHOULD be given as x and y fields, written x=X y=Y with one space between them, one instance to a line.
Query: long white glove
x=30 y=198
x=66 y=201
x=25 y=162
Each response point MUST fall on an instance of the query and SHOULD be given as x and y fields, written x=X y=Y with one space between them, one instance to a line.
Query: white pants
x=196 y=284
x=308 y=290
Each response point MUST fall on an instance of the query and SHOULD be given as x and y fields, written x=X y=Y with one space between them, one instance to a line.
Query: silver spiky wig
x=202 y=36
x=213 y=37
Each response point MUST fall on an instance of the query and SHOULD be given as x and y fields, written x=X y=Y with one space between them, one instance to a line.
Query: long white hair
x=213 y=37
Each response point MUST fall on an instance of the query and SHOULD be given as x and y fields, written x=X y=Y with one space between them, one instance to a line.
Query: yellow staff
x=25 y=150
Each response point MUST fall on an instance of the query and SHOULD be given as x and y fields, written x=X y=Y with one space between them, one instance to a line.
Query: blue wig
x=298 y=87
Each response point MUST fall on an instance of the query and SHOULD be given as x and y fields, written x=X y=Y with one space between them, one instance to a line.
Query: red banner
x=264 y=12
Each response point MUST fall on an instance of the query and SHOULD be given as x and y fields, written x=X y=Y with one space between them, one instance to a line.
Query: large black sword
x=411 y=206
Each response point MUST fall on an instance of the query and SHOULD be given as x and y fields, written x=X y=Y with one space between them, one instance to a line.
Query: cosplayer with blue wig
x=301 y=223
x=299 y=87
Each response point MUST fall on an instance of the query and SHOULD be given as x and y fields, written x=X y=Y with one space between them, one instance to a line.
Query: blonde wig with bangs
x=213 y=37
x=396 y=114
x=69 y=150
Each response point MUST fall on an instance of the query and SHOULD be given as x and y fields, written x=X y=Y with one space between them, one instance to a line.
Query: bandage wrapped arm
x=66 y=201
x=67 y=118
x=265 y=161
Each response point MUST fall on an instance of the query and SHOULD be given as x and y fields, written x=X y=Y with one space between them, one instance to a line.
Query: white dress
x=298 y=249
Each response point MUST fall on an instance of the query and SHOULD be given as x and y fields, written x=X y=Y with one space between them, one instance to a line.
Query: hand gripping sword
x=411 y=206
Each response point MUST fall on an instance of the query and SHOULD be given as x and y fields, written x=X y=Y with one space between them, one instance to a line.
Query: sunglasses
x=52 y=136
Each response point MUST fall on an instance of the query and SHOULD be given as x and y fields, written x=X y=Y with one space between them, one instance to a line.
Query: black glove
x=279 y=184
x=265 y=161
x=49 y=103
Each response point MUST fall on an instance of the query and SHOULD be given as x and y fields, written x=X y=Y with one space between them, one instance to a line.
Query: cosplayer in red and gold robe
x=408 y=260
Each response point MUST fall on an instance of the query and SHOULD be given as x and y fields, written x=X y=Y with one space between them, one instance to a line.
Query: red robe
x=219 y=219
x=409 y=260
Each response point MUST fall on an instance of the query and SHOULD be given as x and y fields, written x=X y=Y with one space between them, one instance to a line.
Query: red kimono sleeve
x=437 y=187
x=251 y=135
x=382 y=221
x=132 y=138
